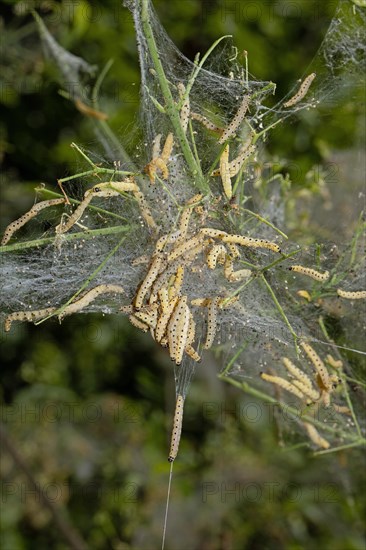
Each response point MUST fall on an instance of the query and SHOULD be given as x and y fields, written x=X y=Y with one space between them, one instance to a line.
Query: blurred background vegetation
x=88 y=404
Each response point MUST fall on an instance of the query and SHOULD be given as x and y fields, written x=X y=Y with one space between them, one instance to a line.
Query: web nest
x=174 y=237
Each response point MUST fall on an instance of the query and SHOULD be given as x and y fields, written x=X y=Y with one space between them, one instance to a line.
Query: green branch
x=171 y=108
x=85 y=235
x=280 y=309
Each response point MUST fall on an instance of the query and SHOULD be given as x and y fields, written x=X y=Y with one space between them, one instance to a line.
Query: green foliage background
x=88 y=404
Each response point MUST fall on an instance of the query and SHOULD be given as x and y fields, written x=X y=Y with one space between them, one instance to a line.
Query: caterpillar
x=301 y=381
x=341 y=409
x=283 y=383
x=108 y=189
x=138 y=324
x=296 y=372
x=176 y=287
x=17 y=224
x=168 y=147
x=234 y=124
x=315 y=436
x=149 y=280
x=74 y=307
x=78 y=212
x=119 y=186
x=211 y=322
x=185 y=110
x=159 y=161
x=352 y=294
x=182 y=334
x=304 y=294
x=205 y=122
x=250 y=242
x=163 y=320
x=177 y=326
x=210 y=232
x=217 y=252
x=156 y=146
x=177 y=428
x=166 y=239
x=164 y=299
x=186 y=215
x=27 y=316
x=154 y=165
x=237 y=163
x=200 y=302
x=88 y=111
x=309 y=272
x=234 y=276
x=149 y=319
x=335 y=363
x=233 y=250
x=193 y=253
x=309 y=391
x=191 y=330
x=145 y=210
x=318 y=364
x=225 y=173
x=192 y=353
x=185 y=247
x=303 y=90
x=168 y=272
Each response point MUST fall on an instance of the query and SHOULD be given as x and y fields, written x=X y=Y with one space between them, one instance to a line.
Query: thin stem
x=193 y=141
x=81 y=152
x=258 y=135
x=97 y=171
x=269 y=86
x=237 y=291
x=323 y=328
x=95 y=208
x=279 y=260
x=98 y=83
x=263 y=220
x=85 y=235
x=357 y=443
x=350 y=405
x=167 y=505
x=280 y=309
x=153 y=99
x=358 y=232
x=358 y=382
x=338 y=346
x=233 y=359
x=246 y=69
x=168 y=191
x=216 y=161
x=80 y=175
x=199 y=67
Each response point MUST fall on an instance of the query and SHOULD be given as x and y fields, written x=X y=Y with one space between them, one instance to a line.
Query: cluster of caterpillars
x=161 y=306
x=301 y=385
